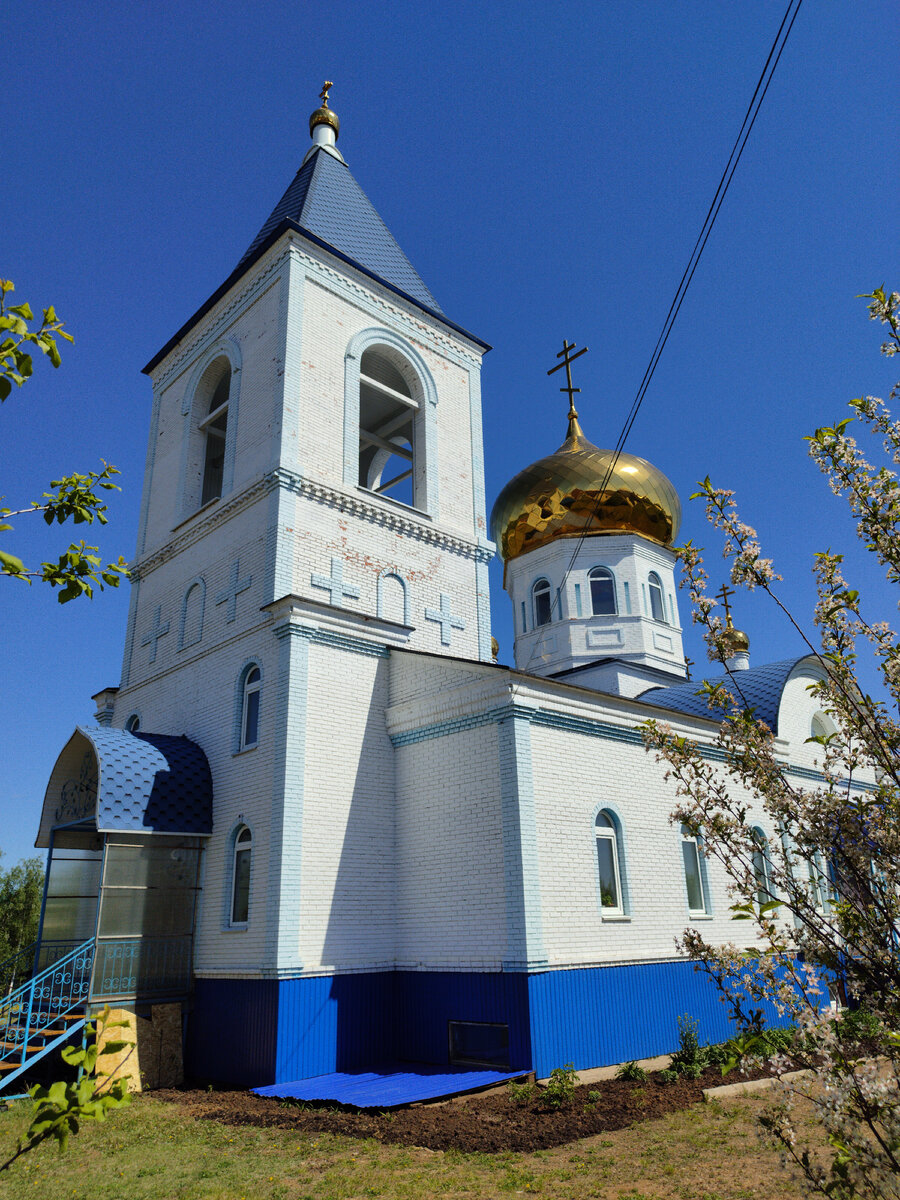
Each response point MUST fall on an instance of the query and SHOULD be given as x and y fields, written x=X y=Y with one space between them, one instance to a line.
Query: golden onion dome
x=737 y=639
x=568 y=494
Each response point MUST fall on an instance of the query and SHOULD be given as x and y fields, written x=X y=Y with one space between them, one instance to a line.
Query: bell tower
x=316 y=435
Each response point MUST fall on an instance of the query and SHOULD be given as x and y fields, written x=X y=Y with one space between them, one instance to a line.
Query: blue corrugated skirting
x=258 y=1033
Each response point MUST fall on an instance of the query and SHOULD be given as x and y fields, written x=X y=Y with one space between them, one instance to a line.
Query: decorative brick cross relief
x=234 y=589
x=445 y=619
x=335 y=586
x=159 y=630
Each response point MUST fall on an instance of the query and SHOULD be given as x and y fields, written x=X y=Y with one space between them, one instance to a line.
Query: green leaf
x=23 y=310
x=10 y=564
x=5 y=388
x=115 y=1047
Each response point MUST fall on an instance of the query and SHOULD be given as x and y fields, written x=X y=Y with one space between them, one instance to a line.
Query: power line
x=737 y=150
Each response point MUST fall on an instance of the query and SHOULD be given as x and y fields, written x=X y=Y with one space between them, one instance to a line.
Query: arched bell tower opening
x=391 y=456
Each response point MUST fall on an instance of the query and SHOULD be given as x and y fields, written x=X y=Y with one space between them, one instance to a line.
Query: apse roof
x=760 y=687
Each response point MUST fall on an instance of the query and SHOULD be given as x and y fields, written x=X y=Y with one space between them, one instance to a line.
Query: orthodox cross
x=723 y=594
x=159 y=630
x=234 y=589
x=323 y=95
x=688 y=663
x=335 y=586
x=567 y=360
x=445 y=619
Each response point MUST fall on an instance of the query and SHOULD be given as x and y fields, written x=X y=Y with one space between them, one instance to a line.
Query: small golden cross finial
x=567 y=360
x=323 y=95
x=723 y=594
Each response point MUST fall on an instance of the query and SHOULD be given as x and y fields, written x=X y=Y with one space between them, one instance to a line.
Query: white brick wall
x=348 y=869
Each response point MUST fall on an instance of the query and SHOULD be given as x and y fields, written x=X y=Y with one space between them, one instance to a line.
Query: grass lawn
x=153 y=1151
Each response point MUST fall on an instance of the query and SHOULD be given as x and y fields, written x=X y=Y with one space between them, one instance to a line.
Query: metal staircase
x=44 y=1012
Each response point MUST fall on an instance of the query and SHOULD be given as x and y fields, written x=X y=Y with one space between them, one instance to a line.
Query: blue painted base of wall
x=254 y=1033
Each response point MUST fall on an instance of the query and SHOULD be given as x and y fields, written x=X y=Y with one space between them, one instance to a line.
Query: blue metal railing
x=36 y=1017
x=16 y=969
x=145 y=966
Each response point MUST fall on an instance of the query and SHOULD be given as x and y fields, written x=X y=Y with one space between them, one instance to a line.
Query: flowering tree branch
x=822 y=894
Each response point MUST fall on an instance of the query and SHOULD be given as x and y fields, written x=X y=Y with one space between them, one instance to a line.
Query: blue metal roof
x=150 y=783
x=760 y=687
x=389 y=1085
x=325 y=200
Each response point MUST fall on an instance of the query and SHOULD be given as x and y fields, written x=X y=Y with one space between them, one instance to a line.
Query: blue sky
x=545 y=167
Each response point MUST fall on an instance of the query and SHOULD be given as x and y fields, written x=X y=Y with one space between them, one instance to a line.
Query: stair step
x=44 y=1035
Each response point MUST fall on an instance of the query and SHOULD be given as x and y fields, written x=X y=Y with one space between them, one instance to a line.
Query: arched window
x=657 y=609
x=250 y=708
x=609 y=863
x=693 y=871
x=240 y=877
x=821 y=726
x=818 y=882
x=540 y=596
x=761 y=869
x=214 y=427
x=133 y=724
x=389 y=419
x=603 y=592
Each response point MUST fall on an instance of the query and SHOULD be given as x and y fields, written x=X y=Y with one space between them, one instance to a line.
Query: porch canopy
x=113 y=781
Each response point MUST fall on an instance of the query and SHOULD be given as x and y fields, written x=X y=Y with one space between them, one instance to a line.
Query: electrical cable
x=734 y=158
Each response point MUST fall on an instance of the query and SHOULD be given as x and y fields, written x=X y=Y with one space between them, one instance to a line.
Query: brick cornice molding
x=358 y=505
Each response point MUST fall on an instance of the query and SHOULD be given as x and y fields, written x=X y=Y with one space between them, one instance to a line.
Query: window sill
x=612 y=917
x=197 y=511
x=389 y=500
x=245 y=750
x=236 y=928
x=700 y=916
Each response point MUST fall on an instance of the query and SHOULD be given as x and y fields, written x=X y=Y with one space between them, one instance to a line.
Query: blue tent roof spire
x=325 y=200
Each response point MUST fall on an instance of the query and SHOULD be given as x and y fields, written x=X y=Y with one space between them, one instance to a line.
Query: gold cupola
x=577 y=490
x=324 y=115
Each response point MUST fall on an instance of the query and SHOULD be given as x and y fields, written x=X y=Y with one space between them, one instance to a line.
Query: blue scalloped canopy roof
x=150 y=783
x=326 y=200
x=760 y=686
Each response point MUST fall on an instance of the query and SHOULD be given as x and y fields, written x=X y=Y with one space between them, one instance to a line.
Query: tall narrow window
x=388 y=418
x=250 y=709
x=693 y=874
x=214 y=428
x=540 y=595
x=657 y=611
x=603 y=592
x=608 y=864
x=240 y=885
x=761 y=870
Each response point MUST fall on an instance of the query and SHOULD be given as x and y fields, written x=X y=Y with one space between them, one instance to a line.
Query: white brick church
x=316 y=814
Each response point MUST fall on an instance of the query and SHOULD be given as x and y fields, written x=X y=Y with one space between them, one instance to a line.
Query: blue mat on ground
x=388 y=1085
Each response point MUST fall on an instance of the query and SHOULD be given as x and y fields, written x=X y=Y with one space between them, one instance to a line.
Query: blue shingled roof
x=150 y=783
x=324 y=199
x=761 y=687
